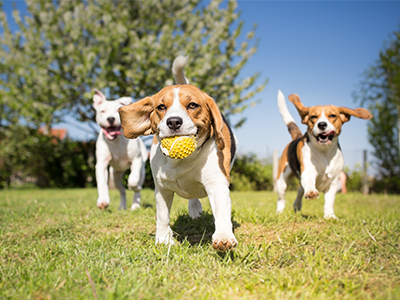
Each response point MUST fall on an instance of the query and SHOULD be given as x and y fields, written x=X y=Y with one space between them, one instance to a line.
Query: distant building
x=60 y=134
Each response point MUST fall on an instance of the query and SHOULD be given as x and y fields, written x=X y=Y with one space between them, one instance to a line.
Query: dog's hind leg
x=103 y=201
x=117 y=177
x=299 y=199
x=136 y=180
x=281 y=185
x=136 y=201
x=195 y=208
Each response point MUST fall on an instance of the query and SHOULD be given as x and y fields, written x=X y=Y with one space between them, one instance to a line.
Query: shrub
x=251 y=173
x=29 y=158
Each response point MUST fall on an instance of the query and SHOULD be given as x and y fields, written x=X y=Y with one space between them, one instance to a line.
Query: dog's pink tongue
x=111 y=132
x=115 y=132
x=332 y=132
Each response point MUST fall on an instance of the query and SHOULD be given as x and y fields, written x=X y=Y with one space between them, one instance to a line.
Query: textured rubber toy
x=178 y=147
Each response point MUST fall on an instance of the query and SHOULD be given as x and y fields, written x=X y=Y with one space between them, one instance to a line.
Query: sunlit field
x=56 y=244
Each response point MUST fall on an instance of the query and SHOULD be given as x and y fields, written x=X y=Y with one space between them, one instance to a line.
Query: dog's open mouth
x=112 y=132
x=326 y=137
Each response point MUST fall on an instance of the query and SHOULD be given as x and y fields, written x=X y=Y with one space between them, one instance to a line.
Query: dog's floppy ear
x=303 y=111
x=98 y=98
x=346 y=113
x=217 y=121
x=125 y=100
x=135 y=118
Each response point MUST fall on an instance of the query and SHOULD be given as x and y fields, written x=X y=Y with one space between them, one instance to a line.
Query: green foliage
x=57 y=245
x=383 y=135
x=355 y=178
x=30 y=158
x=381 y=88
x=249 y=173
x=62 y=50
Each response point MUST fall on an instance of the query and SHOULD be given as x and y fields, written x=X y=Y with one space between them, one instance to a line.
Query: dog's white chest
x=184 y=178
x=326 y=164
x=186 y=189
x=120 y=162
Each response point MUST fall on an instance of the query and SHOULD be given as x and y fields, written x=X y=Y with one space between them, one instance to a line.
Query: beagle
x=314 y=158
x=185 y=110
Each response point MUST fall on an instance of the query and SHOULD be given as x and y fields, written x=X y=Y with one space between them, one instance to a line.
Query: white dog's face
x=107 y=115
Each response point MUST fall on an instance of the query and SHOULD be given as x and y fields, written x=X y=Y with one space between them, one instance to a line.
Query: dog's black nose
x=322 y=125
x=174 y=123
x=111 y=120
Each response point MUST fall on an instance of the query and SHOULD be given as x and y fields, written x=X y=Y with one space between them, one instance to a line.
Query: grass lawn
x=55 y=244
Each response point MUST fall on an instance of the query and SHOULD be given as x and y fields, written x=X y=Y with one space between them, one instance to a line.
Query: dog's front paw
x=165 y=239
x=135 y=206
x=103 y=203
x=195 y=208
x=224 y=242
x=331 y=216
x=310 y=195
x=280 y=207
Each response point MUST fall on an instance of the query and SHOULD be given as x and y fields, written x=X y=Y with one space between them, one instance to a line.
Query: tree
x=62 y=50
x=381 y=89
x=383 y=136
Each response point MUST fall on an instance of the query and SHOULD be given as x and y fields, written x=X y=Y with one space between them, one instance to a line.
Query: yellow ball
x=178 y=147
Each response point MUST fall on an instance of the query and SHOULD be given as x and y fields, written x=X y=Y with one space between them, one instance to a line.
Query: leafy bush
x=250 y=173
x=387 y=185
x=355 y=177
x=29 y=158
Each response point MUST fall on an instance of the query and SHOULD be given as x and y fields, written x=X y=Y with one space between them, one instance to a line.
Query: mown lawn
x=55 y=244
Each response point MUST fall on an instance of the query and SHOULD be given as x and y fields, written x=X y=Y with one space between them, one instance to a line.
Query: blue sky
x=316 y=49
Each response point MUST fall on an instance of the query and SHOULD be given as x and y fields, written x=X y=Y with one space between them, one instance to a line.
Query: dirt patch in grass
x=255 y=233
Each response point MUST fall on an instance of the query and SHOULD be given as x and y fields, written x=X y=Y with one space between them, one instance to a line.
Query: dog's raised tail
x=178 y=67
x=287 y=117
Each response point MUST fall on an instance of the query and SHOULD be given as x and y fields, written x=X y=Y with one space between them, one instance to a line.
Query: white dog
x=186 y=110
x=116 y=151
x=314 y=158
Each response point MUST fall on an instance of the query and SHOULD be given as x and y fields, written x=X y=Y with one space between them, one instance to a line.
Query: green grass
x=55 y=244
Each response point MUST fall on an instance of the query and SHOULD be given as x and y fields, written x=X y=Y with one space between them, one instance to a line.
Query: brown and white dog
x=315 y=157
x=186 y=110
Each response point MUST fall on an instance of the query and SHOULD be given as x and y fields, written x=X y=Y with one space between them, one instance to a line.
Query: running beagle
x=315 y=157
x=186 y=110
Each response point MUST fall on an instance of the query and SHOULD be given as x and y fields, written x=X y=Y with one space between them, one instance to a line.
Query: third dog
x=315 y=157
x=116 y=151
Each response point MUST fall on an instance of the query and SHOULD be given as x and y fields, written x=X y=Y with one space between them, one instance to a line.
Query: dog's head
x=325 y=122
x=175 y=110
x=107 y=114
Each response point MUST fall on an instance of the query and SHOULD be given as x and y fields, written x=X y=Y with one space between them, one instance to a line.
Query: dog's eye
x=192 y=105
x=332 y=116
x=313 y=117
x=161 y=107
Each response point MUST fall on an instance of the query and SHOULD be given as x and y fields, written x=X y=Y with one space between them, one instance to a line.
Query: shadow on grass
x=310 y=217
x=110 y=210
x=197 y=231
x=147 y=205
